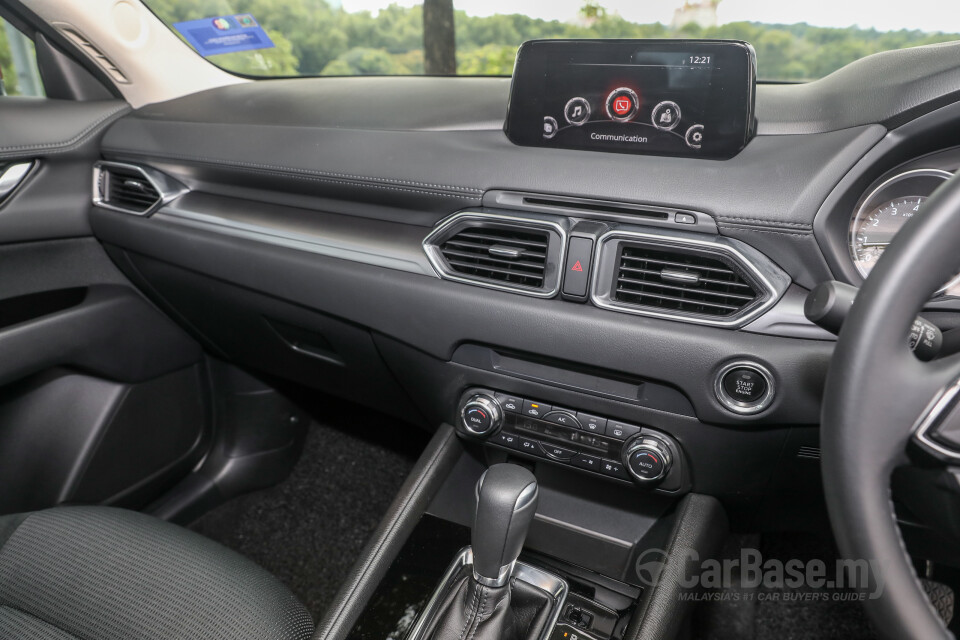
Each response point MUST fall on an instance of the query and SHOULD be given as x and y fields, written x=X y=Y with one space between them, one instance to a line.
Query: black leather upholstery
x=97 y=573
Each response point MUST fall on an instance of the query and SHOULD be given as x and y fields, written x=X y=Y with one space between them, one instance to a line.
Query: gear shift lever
x=506 y=503
x=487 y=604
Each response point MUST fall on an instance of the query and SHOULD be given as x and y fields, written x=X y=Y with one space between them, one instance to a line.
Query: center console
x=524 y=550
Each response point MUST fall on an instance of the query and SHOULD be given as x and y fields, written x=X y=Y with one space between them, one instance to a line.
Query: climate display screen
x=661 y=97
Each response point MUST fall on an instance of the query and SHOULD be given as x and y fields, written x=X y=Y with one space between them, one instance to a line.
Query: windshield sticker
x=224 y=34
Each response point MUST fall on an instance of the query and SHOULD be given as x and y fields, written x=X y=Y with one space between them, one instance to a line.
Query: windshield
x=794 y=40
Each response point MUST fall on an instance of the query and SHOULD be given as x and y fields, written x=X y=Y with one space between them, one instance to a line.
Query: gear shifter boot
x=473 y=611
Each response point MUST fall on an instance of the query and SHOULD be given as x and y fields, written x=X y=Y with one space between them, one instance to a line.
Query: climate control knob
x=647 y=460
x=481 y=415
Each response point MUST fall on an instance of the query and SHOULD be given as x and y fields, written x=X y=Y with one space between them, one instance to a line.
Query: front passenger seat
x=97 y=573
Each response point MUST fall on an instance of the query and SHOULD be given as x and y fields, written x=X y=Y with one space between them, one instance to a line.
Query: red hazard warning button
x=577 y=269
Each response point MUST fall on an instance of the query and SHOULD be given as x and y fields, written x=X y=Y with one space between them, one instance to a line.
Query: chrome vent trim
x=526 y=249
x=767 y=281
x=137 y=197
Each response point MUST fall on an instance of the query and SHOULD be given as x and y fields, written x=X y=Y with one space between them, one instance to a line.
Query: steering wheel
x=881 y=399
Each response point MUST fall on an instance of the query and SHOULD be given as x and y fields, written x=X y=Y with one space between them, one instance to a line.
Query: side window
x=18 y=63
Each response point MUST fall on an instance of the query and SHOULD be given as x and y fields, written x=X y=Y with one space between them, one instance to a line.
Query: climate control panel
x=604 y=446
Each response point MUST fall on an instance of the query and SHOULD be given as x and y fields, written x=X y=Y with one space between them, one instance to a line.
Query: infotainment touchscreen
x=662 y=97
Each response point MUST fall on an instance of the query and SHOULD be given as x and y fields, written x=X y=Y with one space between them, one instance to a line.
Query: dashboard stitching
x=766 y=222
x=66 y=145
x=305 y=173
x=796 y=234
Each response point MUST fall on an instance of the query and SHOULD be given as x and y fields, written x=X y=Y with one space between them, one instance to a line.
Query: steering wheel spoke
x=936 y=433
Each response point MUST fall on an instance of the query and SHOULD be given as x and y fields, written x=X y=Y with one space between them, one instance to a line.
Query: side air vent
x=132 y=189
x=678 y=281
x=499 y=252
x=707 y=280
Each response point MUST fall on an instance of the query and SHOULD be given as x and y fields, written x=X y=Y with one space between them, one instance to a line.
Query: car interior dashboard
x=597 y=269
x=417 y=261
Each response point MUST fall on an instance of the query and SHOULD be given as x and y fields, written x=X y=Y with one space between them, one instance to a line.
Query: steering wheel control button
x=558 y=453
x=563 y=418
x=622 y=104
x=535 y=409
x=583 y=461
x=666 y=115
x=744 y=387
x=481 y=415
x=577 y=270
x=613 y=469
x=594 y=424
x=694 y=136
x=510 y=404
x=621 y=430
x=648 y=460
x=550 y=127
x=577 y=111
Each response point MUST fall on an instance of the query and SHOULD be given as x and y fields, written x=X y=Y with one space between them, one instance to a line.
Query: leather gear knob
x=506 y=503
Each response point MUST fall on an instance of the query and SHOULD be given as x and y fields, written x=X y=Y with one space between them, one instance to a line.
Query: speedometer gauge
x=885 y=210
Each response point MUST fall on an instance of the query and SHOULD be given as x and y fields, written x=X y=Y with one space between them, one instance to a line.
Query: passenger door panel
x=100 y=393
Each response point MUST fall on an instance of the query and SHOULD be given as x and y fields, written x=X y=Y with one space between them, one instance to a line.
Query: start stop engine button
x=744 y=387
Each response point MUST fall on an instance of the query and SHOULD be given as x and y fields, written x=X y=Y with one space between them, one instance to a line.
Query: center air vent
x=677 y=281
x=499 y=252
x=707 y=280
x=510 y=256
x=131 y=189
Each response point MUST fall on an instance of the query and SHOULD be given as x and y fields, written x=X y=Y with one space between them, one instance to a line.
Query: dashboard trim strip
x=298 y=241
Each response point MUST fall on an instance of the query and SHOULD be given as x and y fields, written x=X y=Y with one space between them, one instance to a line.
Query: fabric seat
x=97 y=573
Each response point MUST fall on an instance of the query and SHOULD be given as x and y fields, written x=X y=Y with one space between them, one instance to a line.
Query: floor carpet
x=309 y=530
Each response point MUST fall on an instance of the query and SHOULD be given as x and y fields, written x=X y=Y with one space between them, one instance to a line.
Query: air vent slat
x=681 y=280
x=493 y=237
x=656 y=272
x=484 y=248
x=659 y=296
x=491 y=269
x=129 y=189
x=453 y=255
x=468 y=254
x=706 y=292
x=671 y=263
